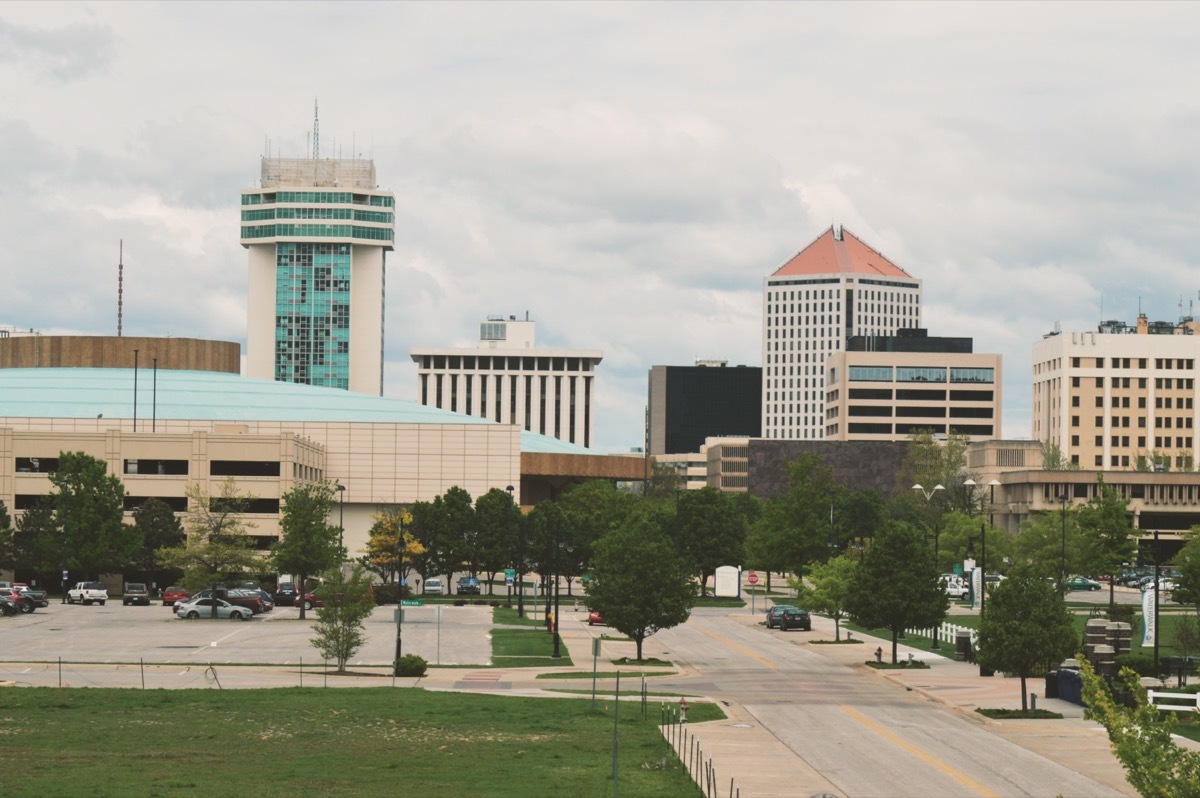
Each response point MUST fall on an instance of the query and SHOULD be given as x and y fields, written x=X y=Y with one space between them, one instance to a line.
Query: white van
x=433 y=587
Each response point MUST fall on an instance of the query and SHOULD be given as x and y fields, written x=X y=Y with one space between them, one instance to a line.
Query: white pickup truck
x=87 y=592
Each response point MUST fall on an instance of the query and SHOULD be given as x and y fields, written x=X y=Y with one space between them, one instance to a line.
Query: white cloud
x=626 y=173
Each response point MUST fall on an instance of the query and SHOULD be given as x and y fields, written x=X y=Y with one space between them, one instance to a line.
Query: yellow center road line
x=735 y=646
x=961 y=778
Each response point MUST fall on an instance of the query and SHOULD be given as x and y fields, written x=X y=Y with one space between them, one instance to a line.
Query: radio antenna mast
x=316 y=133
x=120 y=284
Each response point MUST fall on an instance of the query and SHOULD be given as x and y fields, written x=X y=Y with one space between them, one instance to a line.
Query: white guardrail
x=1184 y=702
x=947 y=633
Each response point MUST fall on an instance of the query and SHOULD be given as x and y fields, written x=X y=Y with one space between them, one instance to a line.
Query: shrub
x=411 y=665
x=460 y=602
x=1141 y=664
x=1120 y=612
x=388 y=593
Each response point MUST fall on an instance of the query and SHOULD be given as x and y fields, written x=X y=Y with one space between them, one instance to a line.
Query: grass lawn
x=506 y=616
x=345 y=742
x=526 y=648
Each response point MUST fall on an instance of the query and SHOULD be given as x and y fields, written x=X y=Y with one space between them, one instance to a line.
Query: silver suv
x=135 y=593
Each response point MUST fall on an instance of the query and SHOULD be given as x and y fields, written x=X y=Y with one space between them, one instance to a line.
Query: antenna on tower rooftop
x=316 y=133
x=120 y=284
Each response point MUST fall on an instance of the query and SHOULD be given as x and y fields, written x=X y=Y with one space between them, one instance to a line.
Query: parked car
x=775 y=613
x=433 y=587
x=285 y=595
x=22 y=603
x=202 y=608
x=1081 y=583
x=174 y=595
x=8 y=607
x=88 y=592
x=240 y=597
x=38 y=597
x=955 y=587
x=135 y=593
x=311 y=599
x=594 y=619
x=467 y=586
x=795 y=618
x=268 y=602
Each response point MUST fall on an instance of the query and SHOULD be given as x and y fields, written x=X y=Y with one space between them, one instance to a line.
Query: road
x=864 y=735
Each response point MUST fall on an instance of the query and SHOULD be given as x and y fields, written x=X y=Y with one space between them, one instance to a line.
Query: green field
x=345 y=742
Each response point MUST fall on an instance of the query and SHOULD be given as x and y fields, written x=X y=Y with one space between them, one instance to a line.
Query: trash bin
x=962 y=645
x=1051 y=684
x=1070 y=686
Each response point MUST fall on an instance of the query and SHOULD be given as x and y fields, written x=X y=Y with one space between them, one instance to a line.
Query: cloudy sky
x=626 y=173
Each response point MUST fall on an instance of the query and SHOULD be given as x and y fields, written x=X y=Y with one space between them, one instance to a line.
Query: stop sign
x=752 y=578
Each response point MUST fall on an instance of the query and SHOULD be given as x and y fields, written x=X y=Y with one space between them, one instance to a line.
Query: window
x=971 y=375
x=1074 y=401
x=1074 y=440
x=870 y=374
x=1099 y=401
x=1074 y=382
x=920 y=374
x=1074 y=421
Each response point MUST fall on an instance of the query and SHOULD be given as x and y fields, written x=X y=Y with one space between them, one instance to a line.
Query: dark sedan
x=775 y=613
x=795 y=618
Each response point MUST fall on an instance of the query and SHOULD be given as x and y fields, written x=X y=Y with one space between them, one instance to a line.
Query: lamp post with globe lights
x=929 y=494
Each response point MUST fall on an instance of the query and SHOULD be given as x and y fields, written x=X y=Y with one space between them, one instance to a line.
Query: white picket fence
x=1181 y=702
x=947 y=634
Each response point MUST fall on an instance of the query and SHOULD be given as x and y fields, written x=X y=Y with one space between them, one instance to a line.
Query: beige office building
x=509 y=380
x=889 y=395
x=1121 y=397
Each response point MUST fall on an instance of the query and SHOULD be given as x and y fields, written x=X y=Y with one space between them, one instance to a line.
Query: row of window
x=1160 y=422
x=348 y=214
x=1161 y=363
x=869 y=428
x=917 y=374
x=318 y=231
x=327 y=197
x=504 y=363
x=1161 y=383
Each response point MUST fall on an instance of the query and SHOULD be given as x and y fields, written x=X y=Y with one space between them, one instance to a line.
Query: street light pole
x=520 y=560
x=928 y=494
x=1062 y=566
x=341 y=519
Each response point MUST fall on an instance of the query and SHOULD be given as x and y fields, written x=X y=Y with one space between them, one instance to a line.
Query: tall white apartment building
x=834 y=288
x=317 y=231
x=1122 y=397
x=509 y=380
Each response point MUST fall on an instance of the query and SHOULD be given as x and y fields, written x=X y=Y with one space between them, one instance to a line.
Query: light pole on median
x=928 y=494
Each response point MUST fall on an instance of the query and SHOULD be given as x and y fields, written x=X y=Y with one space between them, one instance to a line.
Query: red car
x=173 y=594
x=594 y=619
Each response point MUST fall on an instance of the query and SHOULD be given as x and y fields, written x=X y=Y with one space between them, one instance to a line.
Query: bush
x=1121 y=612
x=411 y=665
x=460 y=602
x=1141 y=664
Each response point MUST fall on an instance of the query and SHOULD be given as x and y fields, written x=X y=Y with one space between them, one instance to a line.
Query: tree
x=217 y=546
x=1187 y=564
x=930 y=462
x=392 y=546
x=665 y=482
x=793 y=529
x=37 y=544
x=1155 y=766
x=829 y=591
x=496 y=539
x=160 y=529
x=896 y=585
x=346 y=604
x=639 y=584
x=588 y=512
x=711 y=532
x=1108 y=542
x=960 y=537
x=308 y=543
x=89 y=510
x=1026 y=630
x=6 y=533
x=1039 y=546
x=1053 y=458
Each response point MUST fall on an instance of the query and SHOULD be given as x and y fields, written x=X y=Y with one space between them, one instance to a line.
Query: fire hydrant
x=683 y=707
x=879 y=654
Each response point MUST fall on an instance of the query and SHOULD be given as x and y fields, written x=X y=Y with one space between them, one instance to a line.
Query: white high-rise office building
x=317 y=231
x=834 y=288
x=509 y=380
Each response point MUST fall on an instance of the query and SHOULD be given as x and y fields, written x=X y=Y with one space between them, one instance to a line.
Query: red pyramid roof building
x=840 y=252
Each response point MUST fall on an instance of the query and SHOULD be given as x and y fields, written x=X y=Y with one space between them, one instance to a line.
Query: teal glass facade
x=312 y=314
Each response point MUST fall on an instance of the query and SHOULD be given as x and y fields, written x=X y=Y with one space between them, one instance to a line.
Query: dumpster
x=1052 y=684
x=1070 y=686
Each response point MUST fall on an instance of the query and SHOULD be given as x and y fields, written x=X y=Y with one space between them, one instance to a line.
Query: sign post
x=753 y=580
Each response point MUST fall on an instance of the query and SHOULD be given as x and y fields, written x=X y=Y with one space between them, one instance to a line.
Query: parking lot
x=117 y=634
